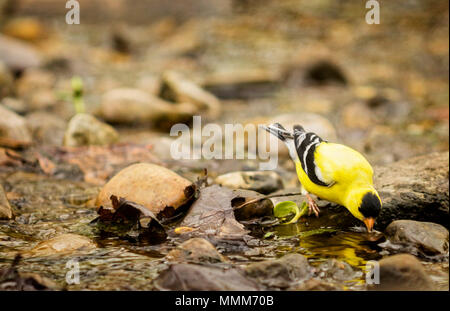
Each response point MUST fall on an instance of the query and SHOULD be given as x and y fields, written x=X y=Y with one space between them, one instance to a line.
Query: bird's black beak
x=369 y=223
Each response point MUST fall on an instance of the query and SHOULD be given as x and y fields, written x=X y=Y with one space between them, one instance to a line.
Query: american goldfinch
x=332 y=172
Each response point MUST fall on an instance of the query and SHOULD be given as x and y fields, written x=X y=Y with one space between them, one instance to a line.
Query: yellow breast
x=339 y=164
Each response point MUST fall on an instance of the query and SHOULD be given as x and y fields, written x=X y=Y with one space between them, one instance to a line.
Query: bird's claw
x=313 y=208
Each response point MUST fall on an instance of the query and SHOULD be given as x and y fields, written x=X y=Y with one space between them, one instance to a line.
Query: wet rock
x=46 y=128
x=178 y=89
x=337 y=270
x=6 y=211
x=12 y=279
x=6 y=81
x=213 y=215
x=402 y=272
x=13 y=127
x=61 y=245
x=24 y=28
x=263 y=182
x=196 y=250
x=415 y=189
x=17 y=55
x=316 y=285
x=133 y=105
x=34 y=281
x=85 y=130
x=152 y=186
x=195 y=277
x=430 y=238
x=281 y=272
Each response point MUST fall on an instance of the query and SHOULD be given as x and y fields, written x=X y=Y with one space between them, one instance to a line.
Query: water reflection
x=320 y=244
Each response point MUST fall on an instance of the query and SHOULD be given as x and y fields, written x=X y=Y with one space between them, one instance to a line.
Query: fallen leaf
x=249 y=204
x=12 y=143
x=47 y=166
x=127 y=212
x=287 y=208
x=181 y=230
x=12 y=279
x=212 y=214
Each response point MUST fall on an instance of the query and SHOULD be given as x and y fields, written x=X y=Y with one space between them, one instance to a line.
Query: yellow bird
x=332 y=172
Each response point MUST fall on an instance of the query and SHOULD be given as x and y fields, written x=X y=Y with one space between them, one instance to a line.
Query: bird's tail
x=285 y=136
x=279 y=131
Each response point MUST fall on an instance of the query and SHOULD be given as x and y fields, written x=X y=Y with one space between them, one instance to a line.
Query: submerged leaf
x=249 y=205
x=269 y=234
x=286 y=208
x=181 y=230
x=12 y=279
x=131 y=214
x=212 y=214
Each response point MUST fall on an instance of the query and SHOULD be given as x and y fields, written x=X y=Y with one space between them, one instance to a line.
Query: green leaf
x=287 y=208
x=269 y=234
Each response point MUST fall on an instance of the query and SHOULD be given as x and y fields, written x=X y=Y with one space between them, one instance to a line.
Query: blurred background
x=78 y=103
x=382 y=89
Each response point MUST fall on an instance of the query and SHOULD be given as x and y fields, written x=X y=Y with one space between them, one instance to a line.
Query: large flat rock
x=415 y=189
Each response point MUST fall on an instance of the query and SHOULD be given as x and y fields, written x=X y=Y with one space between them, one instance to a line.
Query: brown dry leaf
x=181 y=230
x=47 y=166
x=257 y=205
x=13 y=143
x=7 y=159
x=212 y=214
x=124 y=211
x=12 y=279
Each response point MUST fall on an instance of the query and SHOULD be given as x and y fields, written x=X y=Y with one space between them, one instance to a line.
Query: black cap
x=370 y=205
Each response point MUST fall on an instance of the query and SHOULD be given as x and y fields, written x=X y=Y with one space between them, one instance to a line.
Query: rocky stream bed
x=87 y=175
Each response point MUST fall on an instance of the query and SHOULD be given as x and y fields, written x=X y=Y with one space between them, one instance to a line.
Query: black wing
x=306 y=144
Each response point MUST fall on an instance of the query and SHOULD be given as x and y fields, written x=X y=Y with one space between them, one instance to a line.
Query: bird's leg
x=313 y=208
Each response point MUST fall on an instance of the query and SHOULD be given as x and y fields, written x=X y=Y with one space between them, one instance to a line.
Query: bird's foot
x=313 y=208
